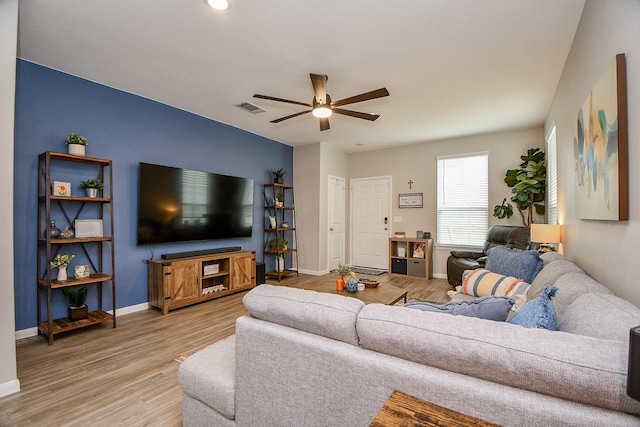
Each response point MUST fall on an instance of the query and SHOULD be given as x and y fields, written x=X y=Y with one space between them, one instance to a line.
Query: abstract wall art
x=600 y=148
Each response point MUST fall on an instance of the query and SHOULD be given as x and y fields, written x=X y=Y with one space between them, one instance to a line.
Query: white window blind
x=552 y=178
x=463 y=199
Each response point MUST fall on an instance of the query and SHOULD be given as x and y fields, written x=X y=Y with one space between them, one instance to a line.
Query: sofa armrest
x=467 y=254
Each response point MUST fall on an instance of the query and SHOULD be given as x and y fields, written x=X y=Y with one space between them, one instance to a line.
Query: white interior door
x=370 y=210
x=336 y=219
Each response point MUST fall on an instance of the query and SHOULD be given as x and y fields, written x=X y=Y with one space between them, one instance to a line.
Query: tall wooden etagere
x=284 y=212
x=97 y=250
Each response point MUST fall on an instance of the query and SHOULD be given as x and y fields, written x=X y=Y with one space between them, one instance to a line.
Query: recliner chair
x=498 y=235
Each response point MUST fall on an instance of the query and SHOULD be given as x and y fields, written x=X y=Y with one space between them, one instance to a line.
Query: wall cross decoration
x=410 y=183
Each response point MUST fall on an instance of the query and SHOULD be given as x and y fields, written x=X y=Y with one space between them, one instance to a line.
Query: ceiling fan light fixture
x=218 y=4
x=322 y=112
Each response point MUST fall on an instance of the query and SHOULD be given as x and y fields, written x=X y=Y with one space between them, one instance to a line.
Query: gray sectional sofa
x=309 y=359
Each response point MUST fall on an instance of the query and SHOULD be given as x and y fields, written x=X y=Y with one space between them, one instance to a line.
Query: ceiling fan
x=322 y=107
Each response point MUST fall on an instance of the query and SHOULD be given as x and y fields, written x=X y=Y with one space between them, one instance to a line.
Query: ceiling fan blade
x=324 y=124
x=378 y=93
x=319 y=82
x=271 y=98
x=357 y=114
x=290 y=116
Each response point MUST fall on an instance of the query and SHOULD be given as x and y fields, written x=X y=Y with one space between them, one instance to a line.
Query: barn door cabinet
x=181 y=282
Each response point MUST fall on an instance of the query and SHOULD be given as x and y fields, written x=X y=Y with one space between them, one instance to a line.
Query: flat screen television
x=181 y=205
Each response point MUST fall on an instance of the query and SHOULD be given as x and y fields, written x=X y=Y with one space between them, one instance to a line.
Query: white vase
x=77 y=149
x=272 y=221
x=62 y=274
x=280 y=264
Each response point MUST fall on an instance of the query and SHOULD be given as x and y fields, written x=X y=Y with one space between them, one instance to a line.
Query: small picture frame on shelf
x=88 y=228
x=61 y=188
x=418 y=250
x=81 y=271
x=410 y=200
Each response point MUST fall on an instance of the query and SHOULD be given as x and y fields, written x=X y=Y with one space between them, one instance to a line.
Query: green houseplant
x=76 y=298
x=528 y=184
x=343 y=271
x=76 y=144
x=278 y=175
x=92 y=186
x=280 y=244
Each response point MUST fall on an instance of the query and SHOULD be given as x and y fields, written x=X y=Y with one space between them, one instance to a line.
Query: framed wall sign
x=61 y=188
x=410 y=200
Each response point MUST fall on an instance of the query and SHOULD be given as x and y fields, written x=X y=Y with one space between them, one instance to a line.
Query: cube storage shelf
x=411 y=257
x=99 y=251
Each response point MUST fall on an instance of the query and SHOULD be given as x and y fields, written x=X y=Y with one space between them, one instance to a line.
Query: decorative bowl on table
x=369 y=283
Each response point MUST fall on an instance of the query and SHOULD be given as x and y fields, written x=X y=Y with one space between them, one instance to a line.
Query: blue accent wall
x=127 y=129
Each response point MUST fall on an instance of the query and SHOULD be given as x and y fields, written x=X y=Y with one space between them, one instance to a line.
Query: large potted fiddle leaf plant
x=528 y=185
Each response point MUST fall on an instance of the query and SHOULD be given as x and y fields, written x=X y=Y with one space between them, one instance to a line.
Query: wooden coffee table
x=402 y=410
x=383 y=294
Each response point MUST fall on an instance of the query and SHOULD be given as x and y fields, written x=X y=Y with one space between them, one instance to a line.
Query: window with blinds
x=463 y=199
x=195 y=193
x=552 y=178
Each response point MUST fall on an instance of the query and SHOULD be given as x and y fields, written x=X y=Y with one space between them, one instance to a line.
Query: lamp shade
x=546 y=233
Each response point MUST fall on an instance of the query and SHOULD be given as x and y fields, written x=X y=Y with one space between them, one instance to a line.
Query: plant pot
x=278 y=180
x=62 y=274
x=91 y=192
x=76 y=149
x=78 y=313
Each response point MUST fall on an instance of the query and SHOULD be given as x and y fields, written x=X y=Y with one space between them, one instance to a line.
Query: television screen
x=179 y=205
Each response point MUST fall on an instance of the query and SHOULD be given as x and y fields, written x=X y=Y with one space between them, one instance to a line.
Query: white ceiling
x=452 y=67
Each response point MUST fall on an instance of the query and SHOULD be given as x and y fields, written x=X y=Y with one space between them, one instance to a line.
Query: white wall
x=8 y=44
x=314 y=163
x=418 y=164
x=606 y=250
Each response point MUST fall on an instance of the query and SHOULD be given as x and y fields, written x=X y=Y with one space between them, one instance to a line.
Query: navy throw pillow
x=516 y=263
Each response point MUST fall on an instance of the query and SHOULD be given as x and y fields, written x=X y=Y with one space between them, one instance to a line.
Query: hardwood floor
x=128 y=375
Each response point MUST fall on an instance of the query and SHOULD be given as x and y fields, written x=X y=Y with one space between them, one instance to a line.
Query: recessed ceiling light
x=218 y=4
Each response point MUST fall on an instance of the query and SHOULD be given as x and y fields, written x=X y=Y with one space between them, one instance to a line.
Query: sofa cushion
x=578 y=368
x=329 y=315
x=603 y=316
x=549 y=274
x=209 y=376
x=571 y=286
x=538 y=313
x=524 y=265
x=490 y=308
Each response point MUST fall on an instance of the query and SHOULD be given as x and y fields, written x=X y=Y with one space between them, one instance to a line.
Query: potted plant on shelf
x=278 y=176
x=76 y=144
x=61 y=262
x=279 y=201
x=278 y=244
x=76 y=298
x=91 y=186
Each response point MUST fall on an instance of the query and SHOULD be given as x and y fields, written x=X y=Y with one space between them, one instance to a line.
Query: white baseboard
x=9 y=387
x=439 y=276
x=313 y=272
x=32 y=332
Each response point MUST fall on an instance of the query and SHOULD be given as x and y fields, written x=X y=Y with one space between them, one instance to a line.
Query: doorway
x=370 y=222
x=336 y=240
